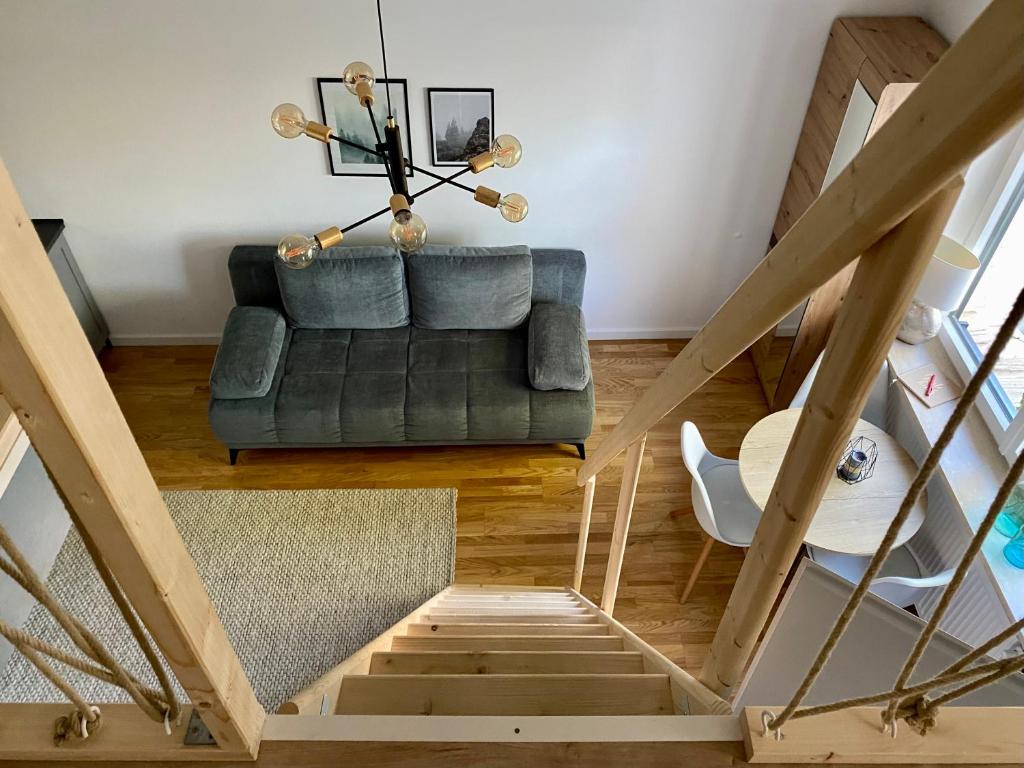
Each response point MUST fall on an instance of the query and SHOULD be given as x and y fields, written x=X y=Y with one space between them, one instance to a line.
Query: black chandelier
x=407 y=230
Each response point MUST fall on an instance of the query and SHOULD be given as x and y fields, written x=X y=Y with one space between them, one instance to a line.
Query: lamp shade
x=948 y=276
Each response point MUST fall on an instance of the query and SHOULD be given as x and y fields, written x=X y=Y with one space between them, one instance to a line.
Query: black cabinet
x=51 y=233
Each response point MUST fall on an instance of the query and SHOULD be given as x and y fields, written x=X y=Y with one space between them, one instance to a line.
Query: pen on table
x=930 y=386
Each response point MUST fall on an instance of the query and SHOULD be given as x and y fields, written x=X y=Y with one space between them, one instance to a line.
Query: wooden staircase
x=512 y=651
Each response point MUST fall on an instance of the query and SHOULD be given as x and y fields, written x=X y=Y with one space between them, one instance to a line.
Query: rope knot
x=76 y=725
x=919 y=713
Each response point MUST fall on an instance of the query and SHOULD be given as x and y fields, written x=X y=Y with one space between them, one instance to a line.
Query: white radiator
x=976 y=613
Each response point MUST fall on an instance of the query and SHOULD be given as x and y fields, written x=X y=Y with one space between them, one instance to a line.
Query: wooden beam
x=823 y=305
x=13 y=444
x=10 y=430
x=127 y=734
x=620 y=532
x=581 y=541
x=50 y=377
x=879 y=295
x=973 y=96
x=962 y=735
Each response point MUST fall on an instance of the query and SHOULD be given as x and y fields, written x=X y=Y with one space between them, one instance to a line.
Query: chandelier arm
x=434 y=186
x=357 y=145
x=443 y=179
x=365 y=219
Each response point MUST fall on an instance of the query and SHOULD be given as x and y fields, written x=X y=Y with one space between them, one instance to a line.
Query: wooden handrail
x=972 y=96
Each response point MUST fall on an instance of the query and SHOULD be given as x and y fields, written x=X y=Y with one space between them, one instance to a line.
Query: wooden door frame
x=875 y=51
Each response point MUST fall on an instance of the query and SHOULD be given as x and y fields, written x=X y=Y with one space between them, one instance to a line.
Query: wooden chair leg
x=705 y=551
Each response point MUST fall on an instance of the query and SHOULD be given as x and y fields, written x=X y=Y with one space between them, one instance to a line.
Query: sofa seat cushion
x=343 y=386
x=404 y=385
x=248 y=354
x=470 y=288
x=356 y=288
x=557 y=350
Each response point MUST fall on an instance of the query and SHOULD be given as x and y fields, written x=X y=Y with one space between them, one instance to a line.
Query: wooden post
x=581 y=542
x=878 y=297
x=50 y=377
x=623 y=513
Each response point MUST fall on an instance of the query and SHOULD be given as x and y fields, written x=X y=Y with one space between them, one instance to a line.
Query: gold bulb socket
x=487 y=196
x=330 y=237
x=392 y=123
x=481 y=162
x=365 y=93
x=318 y=132
x=398 y=204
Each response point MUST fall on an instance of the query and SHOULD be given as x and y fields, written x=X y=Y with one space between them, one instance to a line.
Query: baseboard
x=626 y=334
x=629 y=334
x=168 y=340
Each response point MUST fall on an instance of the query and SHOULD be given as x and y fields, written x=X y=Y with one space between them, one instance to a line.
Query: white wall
x=657 y=136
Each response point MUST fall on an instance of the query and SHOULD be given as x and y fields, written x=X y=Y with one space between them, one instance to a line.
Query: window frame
x=990 y=225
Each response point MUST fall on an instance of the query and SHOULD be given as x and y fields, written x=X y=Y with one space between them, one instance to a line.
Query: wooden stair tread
x=472 y=605
x=506 y=662
x=506 y=643
x=505 y=695
x=498 y=610
x=509 y=596
x=501 y=589
x=500 y=618
x=444 y=628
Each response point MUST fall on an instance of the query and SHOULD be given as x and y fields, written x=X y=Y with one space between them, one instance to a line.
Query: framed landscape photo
x=461 y=123
x=342 y=112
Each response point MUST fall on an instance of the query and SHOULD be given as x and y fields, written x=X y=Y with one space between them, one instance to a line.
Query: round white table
x=851 y=518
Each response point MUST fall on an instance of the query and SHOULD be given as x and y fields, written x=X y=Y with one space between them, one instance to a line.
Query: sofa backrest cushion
x=360 y=287
x=470 y=288
x=558 y=276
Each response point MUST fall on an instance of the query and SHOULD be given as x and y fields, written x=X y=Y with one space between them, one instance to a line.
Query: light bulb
x=506 y=151
x=358 y=72
x=408 y=231
x=297 y=251
x=513 y=207
x=288 y=120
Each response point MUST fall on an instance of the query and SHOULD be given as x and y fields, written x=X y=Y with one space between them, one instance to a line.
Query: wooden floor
x=518 y=506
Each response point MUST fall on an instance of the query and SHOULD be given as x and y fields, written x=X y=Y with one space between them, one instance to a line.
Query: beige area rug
x=301 y=579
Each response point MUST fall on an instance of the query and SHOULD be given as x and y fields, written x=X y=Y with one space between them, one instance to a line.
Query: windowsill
x=972 y=466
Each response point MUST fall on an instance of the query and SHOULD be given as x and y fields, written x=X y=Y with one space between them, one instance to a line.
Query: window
x=969 y=332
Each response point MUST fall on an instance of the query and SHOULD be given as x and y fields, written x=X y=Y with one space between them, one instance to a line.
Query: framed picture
x=342 y=112
x=461 y=123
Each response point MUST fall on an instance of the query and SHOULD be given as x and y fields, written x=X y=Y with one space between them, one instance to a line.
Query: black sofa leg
x=233 y=455
x=583 y=451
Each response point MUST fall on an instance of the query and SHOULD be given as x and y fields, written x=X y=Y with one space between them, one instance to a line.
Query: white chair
x=720 y=502
x=878 y=399
x=900 y=581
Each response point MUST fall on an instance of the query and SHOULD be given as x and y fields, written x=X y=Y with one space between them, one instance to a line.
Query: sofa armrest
x=557 y=352
x=248 y=353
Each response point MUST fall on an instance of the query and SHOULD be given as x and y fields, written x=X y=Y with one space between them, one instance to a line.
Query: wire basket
x=858 y=461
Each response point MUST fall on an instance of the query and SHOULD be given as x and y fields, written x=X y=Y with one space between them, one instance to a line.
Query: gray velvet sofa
x=367 y=347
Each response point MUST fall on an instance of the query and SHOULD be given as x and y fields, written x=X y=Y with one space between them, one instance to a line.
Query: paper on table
x=944 y=389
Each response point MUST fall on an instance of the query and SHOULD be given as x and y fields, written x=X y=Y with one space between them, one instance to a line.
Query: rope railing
x=160 y=706
x=911 y=703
